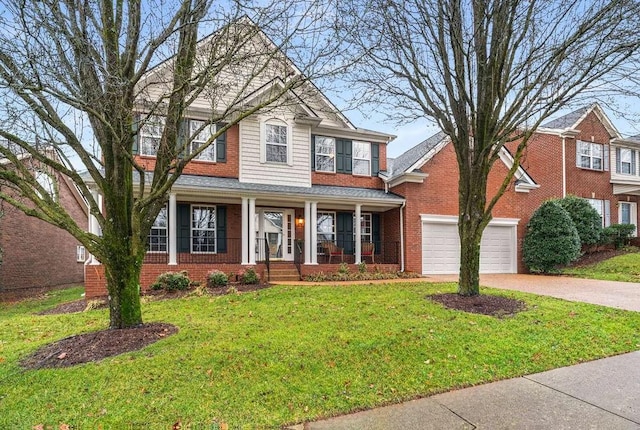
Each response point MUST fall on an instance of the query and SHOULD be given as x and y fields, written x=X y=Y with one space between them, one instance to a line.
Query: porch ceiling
x=633 y=190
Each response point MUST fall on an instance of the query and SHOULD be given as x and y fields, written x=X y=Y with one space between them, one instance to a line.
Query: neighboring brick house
x=580 y=153
x=37 y=255
x=287 y=183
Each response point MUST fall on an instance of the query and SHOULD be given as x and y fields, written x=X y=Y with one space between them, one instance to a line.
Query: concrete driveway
x=622 y=295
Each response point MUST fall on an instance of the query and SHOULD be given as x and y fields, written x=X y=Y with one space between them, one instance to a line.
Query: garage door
x=441 y=246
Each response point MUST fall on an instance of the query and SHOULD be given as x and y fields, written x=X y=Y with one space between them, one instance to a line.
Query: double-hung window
x=276 y=142
x=590 y=155
x=326 y=227
x=362 y=158
x=626 y=161
x=150 y=134
x=203 y=229
x=325 y=154
x=628 y=214
x=365 y=227
x=598 y=205
x=158 y=234
x=201 y=134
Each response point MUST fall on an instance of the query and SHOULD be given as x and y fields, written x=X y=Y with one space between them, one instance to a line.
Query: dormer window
x=150 y=134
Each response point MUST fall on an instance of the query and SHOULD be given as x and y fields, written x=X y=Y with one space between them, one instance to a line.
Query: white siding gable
x=253 y=165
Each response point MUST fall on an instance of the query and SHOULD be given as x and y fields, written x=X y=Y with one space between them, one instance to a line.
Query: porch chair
x=368 y=250
x=332 y=250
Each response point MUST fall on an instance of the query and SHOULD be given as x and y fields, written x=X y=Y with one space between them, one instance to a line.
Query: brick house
x=296 y=185
x=580 y=153
x=37 y=255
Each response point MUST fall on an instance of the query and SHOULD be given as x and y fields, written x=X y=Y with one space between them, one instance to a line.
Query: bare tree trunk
x=122 y=275
x=469 y=280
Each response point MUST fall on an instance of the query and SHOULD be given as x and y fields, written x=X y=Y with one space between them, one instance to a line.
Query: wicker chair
x=368 y=250
x=332 y=250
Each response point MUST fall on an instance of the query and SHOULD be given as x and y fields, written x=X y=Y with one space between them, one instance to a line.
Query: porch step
x=281 y=272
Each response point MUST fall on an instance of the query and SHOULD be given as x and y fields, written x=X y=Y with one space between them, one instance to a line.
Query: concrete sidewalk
x=602 y=394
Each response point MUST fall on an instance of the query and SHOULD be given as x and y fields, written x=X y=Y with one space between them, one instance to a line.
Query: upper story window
x=590 y=155
x=625 y=161
x=150 y=134
x=201 y=134
x=46 y=182
x=362 y=158
x=276 y=141
x=203 y=229
x=325 y=156
x=158 y=234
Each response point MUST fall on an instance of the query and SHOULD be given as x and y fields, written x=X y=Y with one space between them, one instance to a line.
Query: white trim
x=81 y=254
x=215 y=228
x=173 y=229
x=633 y=214
x=353 y=158
x=429 y=155
x=315 y=154
x=264 y=122
x=453 y=219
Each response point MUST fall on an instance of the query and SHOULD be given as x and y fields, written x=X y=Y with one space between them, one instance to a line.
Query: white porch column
x=94 y=226
x=358 y=234
x=252 y=231
x=314 y=232
x=173 y=237
x=245 y=231
x=307 y=233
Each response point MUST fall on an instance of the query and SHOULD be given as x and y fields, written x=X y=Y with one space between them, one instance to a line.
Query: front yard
x=624 y=268
x=289 y=354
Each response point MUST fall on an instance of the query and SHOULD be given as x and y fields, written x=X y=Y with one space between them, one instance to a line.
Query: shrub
x=250 y=276
x=362 y=267
x=586 y=219
x=171 y=281
x=551 y=239
x=216 y=278
x=343 y=269
x=620 y=234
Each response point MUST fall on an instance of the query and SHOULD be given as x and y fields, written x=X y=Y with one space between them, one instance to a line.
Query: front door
x=275 y=234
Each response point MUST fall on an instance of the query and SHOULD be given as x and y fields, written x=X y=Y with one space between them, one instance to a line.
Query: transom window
x=627 y=161
x=150 y=134
x=203 y=229
x=326 y=226
x=325 y=154
x=158 y=234
x=362 y=158
x=200 y=138
x=590 y=155
x=276 y=145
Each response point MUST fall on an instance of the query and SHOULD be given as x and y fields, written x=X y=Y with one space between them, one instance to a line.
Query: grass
x=290 y=354
x=624 y=267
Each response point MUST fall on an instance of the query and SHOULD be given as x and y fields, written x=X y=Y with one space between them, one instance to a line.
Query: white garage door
x=441 y=246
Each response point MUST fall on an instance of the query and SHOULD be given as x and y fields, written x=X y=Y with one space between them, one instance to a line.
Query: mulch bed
x=66 y=308
x=485 y=304
x=597 y=256
x=92 y=347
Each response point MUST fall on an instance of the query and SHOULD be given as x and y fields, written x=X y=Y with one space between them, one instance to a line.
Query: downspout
x=402 y=235
x=564 y=167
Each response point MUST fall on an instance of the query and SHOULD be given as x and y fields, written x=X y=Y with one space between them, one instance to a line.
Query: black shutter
x=135 y=129
x=343 y=156
x=183 y=222
x=375 y=159
x=376 y=232
x=618 y=163
x=313 y=152
x=344 y=231
x=221 y=229
x=221 y=146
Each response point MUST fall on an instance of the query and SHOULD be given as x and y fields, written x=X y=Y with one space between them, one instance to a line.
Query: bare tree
x=82 y=77
x=488 y=72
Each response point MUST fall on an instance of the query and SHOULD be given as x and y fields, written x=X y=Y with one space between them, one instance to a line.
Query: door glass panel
x=273 y=230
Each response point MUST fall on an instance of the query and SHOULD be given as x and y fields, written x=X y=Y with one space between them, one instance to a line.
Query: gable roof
x=401 y=164
x=573 y=119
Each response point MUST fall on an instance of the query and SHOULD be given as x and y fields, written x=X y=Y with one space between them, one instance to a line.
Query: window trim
x=334 y=234
x=630 y=163
x=143 y=134
x=332 y=155
x=263 y=141
x=579 y=155
x=354 y=158
x=166 y=233
x=81 y=254
x=193 y=140
x=633 y=214
x=363 y=215
x=213 y=209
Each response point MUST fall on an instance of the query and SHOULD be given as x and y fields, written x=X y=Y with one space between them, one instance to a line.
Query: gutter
x=402 y=235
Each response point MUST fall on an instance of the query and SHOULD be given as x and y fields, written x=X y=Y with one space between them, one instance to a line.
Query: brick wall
x=37 y=254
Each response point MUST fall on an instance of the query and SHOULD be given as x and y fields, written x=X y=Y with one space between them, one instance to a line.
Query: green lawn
x=624 y=267
x=289 y=354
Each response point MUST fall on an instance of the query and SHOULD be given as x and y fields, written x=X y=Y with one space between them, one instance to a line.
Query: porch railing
x=385 y=252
